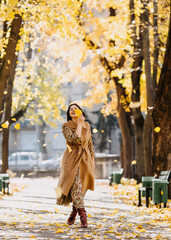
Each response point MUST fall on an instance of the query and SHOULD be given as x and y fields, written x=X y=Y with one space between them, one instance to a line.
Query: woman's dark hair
x=68 y=116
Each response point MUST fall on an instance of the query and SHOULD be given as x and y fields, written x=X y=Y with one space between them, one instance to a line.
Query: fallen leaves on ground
x=114 y=216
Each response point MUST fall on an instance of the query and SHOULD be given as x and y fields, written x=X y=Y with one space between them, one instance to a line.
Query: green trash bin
x=147 y=182
x=160 y=191
x=5 y=182
x=117 y=177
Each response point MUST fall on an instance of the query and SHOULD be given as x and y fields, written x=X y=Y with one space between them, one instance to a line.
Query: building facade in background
x=43 y=138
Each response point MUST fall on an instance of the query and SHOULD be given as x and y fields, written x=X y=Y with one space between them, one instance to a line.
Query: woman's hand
x=80 y=123
x=81 y=120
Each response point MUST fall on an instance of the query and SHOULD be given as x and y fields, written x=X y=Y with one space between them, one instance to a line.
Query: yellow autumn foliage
x=81 y=33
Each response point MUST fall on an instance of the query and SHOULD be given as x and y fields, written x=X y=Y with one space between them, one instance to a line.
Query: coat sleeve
x=90 y=145
x=70 y=136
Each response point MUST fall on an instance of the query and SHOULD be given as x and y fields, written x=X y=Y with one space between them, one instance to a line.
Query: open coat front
x=78 y=154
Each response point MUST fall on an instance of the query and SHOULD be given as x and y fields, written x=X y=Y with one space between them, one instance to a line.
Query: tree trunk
x=10 y=55
x=149 y=88
x=22 y=111
x=8 y=105
x=161 y=155
x=124 y=120
x=121 y=153
x=5 y=29
x=136 y=110
x=156 y=41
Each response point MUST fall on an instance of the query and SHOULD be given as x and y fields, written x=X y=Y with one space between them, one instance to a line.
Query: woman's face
x=72 y=111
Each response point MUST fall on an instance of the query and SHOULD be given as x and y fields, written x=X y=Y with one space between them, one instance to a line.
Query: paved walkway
x=112 y=214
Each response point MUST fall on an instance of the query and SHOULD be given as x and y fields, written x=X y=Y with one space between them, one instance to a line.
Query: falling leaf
x=78 y=112
x=133 y=162
x=45 y=144
x=157 y=129
x=5 y=92
x=102 y=131
x=95 y=130
x=161 y=192
x=55 y=135
x=150 y=108
x=115 y=160
x=5 y=124
x=11 y=173
x=69 y=148
x=22 y=175
x=17 y=126
x=13 y=119
x=134 y=104
x=8 y=61
x=29 y=174
x=109 y=140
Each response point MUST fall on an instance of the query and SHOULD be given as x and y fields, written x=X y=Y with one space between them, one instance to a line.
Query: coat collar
x=73 y=126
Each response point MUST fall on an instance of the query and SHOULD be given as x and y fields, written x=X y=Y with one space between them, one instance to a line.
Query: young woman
x=77 y=170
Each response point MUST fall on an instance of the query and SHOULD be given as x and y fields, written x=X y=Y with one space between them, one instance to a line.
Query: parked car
x=50 y=164
x=33 y=162
x=23 y=161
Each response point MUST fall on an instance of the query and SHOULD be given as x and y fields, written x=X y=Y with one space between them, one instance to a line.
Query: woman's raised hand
x=81 y=119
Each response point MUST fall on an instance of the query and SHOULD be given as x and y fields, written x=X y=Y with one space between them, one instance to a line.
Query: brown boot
x=72 y=216
x=83 y=217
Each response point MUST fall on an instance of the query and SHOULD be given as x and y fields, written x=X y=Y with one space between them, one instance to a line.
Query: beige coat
x=79 y=153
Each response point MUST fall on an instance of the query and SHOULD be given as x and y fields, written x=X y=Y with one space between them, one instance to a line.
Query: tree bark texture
x=5 y=29
x=149 y=88
x=161 y=155
x=135 y=97
x=125 y=124
x=8 y=105
x=10 y=54
x=124 y=117
x=156 y=42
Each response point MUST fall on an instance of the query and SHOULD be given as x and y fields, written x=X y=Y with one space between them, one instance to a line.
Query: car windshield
x=24 y=157
x=12 y=158
x=33 y=156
